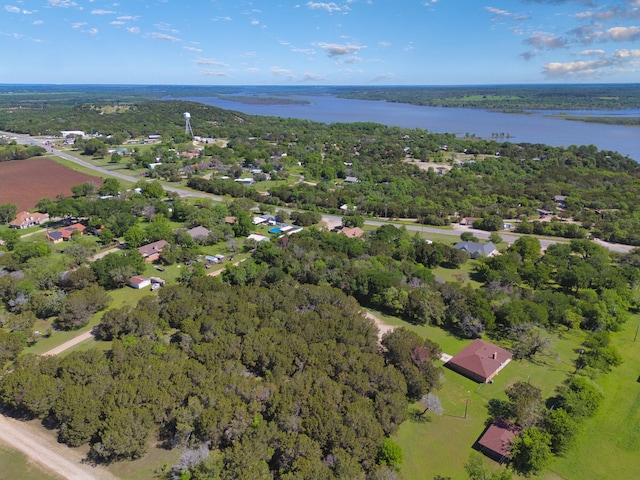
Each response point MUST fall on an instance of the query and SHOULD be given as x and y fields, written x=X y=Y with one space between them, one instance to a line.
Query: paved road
x=329 y=219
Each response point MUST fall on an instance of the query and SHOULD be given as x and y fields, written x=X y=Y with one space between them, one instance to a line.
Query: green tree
x=110 y=186
x=8 y=212
x=135 y=236
x=10 y=237
x=390 y=454
x=527 y=247
x=531 y=451
x=562 y=428
x=526 y=403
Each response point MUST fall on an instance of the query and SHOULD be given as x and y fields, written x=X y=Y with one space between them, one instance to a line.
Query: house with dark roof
x=480 y=361
x=476 y=249
x=151 y=252
x=199 y=233
x=496 y=441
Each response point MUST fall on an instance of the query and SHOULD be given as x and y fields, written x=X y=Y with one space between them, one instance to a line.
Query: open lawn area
x=609 y=444
x=441 y=445
x=15 y=465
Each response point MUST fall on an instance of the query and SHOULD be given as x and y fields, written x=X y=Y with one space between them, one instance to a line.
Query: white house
x=139 y=282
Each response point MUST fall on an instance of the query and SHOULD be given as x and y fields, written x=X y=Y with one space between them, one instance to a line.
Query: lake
x=533 y=127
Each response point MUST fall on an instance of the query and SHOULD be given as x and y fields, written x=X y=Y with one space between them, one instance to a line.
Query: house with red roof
x=138 y=282
x=496 y=441
x=480 y=361
x=64 y=234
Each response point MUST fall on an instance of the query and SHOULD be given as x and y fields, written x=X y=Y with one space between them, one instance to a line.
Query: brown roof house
x=151 y=251
x=480 y=361
x=64 y=234
x=496 y=441
x=26 y=220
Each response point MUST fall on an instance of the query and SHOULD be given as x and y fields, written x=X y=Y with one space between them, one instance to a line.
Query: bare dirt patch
x=24 y=182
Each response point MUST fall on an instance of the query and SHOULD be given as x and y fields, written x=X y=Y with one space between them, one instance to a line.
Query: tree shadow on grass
x=416 y=416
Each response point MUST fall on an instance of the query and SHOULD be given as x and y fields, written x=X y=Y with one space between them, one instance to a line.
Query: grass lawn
x=156 y=460
x=15 y=465
x=609 y=444
x=441 y=445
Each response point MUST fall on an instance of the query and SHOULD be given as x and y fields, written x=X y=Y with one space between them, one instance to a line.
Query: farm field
x=24 y=182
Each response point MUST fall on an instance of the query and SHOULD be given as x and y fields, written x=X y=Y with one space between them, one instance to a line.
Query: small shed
x=496 y=441
x=480 y=361
x=139 y=282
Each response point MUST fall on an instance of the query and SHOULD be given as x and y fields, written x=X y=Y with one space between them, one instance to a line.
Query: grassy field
x=609 y=444
x=16 y=466
x=156 y=460
x=441 y=445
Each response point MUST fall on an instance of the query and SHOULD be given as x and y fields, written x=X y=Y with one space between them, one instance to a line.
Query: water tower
x=187 y=124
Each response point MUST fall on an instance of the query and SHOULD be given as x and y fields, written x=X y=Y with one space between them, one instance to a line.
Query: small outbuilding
x=480 y=361
x=496 y=441
x=139 y=282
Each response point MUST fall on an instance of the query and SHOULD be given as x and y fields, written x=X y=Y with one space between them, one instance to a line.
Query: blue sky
x=349 y=42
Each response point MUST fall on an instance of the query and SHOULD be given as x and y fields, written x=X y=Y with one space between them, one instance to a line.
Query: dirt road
x=45 y=451
x=382 y=327
x=67 y=345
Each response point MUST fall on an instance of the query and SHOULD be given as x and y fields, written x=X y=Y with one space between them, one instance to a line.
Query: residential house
x=139 y=282
x=64 y=234
x=199 y=233
x=351 y=180
x=497 y=439
x=25 y=219
x=151 y=252
x=480 y=361
x=476 y=249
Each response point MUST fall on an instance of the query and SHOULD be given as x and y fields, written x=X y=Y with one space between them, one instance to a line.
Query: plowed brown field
x=24 y=182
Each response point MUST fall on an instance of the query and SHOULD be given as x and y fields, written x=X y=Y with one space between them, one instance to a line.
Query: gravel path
x=55 y=457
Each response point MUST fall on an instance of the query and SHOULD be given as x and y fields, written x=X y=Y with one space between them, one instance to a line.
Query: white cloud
x=224 y=19
x=592 y=53
x=208 y=61
x=61 y=3
x=164 y=36
x=312 y=77
x=622 y=34
x=281 y=72
x=93 y=31
x=12 y=9
x=102 y=12
x=78 y=25
x=117 y=22
x=335 y=50
x=134 y=30
x=620 y=61
x=214 y=73
x=548 y=40
x=37 y=22
x=128 y=17
x=193 y=49
x=384 y=44
x=329 y=7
